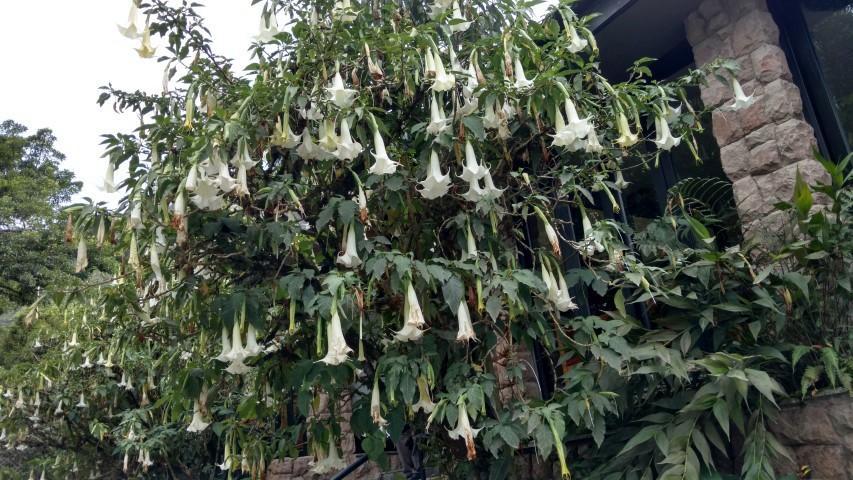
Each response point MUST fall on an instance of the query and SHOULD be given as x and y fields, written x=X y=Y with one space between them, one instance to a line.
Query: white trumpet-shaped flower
x=82 y=256
x=593 y=145
x=521 y=81
x=425 y=402
x=237 y=367
x=267 y=31
x=252 y=347
x=237 y=352
x=413 y=318
x=332 y=462
x=227 y=459
x=226 y=346
x=59 y=410
x=472 y=168
x=338 y=350
x=145 y=49
x=131 y=31
x=376 y=405
x=438 y=120
x=308 y=150
x=349 y=257
x=108 y=183
x=553 y=239
x=471 y=245
x=491 y=119
x=490 y=188
x=466 y=329
x=620 y=182
x=464 y=430
x=458 y=22
x=224 y=180
x=82 y=402
x=475 y=193
x=564 y=301
x=338 y=94
x=328 y=140
x=192 y=179
x=438 y=7
x=664 y=139
x=86 y=363
x=197 y=424
x=73 y=342
x=101 y=361
x=567 y=134
x=436 y=184
x=741 y=100
x=384 y=165
x=347 y=149
x=443 y=81
x=626 y=138
x=282 y=135
x=576 y=42
x=672 y=114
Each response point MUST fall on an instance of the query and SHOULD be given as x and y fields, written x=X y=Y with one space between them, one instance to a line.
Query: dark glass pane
x=830 y=23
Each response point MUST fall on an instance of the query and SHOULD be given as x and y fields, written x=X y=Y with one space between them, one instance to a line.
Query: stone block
x=716 y=93
x=769 y=63
x=749 y=200
x=735 y=160
x=708 y=49
x=710 y=8
x=779 y=185
x=805 y=425
x=826 y=461
x=762 y=135
x=745 y=73
x=796 y=141
x=783 y=101
x=694 y=28
x=765 y=158
x=841 y=414
x=753 y=29
x=726 y=127
x=752 y=118
x=720 y=24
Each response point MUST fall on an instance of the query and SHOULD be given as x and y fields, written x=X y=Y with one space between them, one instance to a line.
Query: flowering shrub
x=357 y=219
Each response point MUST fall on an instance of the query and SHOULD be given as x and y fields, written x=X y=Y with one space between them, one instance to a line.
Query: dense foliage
x=374 y=208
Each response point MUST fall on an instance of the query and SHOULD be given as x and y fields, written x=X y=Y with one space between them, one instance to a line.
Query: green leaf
x=475 y=125
x=802 y=197
x=800 y=281
x=500 y=467
x=453 y=291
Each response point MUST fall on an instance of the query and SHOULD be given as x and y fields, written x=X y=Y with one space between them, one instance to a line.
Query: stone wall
x=818 y=433
x=761 y=147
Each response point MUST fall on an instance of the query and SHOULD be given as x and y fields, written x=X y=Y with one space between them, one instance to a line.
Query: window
x=817 y=36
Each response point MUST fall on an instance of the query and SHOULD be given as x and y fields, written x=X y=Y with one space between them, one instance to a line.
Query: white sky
x=56 y=53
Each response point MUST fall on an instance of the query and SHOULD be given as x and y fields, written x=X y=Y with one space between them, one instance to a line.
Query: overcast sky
x=56 y=53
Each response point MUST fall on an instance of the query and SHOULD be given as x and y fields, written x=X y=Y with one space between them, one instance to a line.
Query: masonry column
x=761 y=147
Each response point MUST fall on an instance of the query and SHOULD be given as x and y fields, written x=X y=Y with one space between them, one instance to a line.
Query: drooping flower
x=664 y=139
x=564 y=301
x=741 y=100
x=672 y=114
x=136 y=214
x=347 y=149
x=333 y=461
x=413 y=318
x=237 y=367
x=567 y=134
x=576 y=42
x=436 y=184
x=338 y=94
x=252 y=347
x=86 y=363
x=490 y=188
x=58 y=410
x=197 y=424
x=226 y=346
x=620 y=182
x=237 y=352
x=375 y=405
x=338 y=350
x=438 y=121
x=224 y=180
x=443 y=81
x=349 y=258
x=384 y=165
x=227 y=459
x=438 y=7
x=308 y=150
x=82 y=256
x=593 y=145
x=475 y=193
x=108 y=183
x=145 y=50
x=282 y=135
x=328 y=140
x=521 y=81
x=101 y=236
x=466 y=329
x=626 y=136
x=131 y=31
x=267 y=30
x=425 y=403
x=458 y=22
x=82 y=402
x=101 y=361
x=491 y=120
x=464 y=430
x=472 y=168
